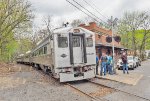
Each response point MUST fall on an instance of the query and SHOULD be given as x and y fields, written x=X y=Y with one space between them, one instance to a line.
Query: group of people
x=106 y=65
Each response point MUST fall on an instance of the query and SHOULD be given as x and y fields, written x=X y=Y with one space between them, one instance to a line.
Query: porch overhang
x=109 y=46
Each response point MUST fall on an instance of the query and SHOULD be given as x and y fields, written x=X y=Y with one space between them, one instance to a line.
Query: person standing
x=110 y=63
x=97 y=64
x=124 y=60
x=103 y=64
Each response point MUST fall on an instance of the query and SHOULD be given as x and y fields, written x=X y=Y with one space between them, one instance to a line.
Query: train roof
x=28 y=52
x=21 y=55
x=71 y=30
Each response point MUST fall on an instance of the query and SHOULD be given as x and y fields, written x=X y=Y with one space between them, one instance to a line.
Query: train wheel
x=38 y=67
x=34 y=65
x=46 y=70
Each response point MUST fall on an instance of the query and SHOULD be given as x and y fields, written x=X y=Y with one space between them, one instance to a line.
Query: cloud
x=52 y=7
x=62 y=10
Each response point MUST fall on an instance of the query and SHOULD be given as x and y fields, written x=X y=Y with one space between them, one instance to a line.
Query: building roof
x=107 y=45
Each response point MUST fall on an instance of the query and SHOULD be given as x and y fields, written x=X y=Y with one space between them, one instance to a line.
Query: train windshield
x=62 y=42
x=89 y=42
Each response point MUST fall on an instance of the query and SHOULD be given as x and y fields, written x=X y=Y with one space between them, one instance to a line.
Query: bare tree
x=48 y=23
x=76 y=22
x=41 y=33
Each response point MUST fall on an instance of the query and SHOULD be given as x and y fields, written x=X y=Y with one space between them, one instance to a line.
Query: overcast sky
x=61 y=10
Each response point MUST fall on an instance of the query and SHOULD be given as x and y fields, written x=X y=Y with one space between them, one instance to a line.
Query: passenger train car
x=20 y=58
x=68 y=53
x=26 y=58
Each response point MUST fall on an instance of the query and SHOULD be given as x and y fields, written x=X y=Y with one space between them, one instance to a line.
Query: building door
x=100 y=52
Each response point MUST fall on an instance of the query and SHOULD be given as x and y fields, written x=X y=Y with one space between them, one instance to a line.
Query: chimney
x=81 y=25
x=92 y=24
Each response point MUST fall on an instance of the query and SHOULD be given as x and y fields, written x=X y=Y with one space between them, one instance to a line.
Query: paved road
x=142 y=88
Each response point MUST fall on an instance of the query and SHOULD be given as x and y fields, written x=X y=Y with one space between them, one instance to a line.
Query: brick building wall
x=100 y=39
x=100 y=33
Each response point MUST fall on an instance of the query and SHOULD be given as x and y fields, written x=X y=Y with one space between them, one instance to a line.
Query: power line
x=95 y=9
x=89 y=11
x=82 y=11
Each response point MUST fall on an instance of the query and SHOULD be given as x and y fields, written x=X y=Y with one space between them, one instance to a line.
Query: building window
x=108 y=51
x=99 y=36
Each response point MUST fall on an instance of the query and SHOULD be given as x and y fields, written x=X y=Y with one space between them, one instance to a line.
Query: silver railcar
x=68 y=53
x=27 y=57
x=19 y=59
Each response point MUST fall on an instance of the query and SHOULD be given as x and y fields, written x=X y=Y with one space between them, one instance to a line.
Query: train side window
x=37 y=53
x=62 y=42
x=32 y=54
x=41 y=51
x=45 y=50
x=89 y=42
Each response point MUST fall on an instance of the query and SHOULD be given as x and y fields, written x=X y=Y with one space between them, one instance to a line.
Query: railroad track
x=90 y=96
x=96 y=94
x=81 y=91
x=90 y=90
x=118 y=90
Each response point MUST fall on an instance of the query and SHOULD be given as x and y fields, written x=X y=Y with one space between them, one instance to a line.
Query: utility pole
x=113 y=48
x=113 y=23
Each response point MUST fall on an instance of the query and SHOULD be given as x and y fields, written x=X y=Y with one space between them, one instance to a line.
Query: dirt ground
x=23 y=83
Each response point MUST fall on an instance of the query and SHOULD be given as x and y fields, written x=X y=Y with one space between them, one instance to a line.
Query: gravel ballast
x=34 y=86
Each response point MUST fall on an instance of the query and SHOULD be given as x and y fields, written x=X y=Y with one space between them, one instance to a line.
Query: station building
x=100 y=40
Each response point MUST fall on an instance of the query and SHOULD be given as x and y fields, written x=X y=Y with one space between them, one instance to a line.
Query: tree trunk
x=133 y=42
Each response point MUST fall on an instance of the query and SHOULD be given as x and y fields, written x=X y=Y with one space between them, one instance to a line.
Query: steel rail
x=119 y=90
x=81 y=91
x=77 y=89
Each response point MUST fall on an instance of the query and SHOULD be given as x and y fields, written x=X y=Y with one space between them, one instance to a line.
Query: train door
x=77 y=49
x=77 y=46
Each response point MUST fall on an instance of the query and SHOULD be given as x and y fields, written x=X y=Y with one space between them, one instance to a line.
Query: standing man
x=124 y=60
x=97 y=64
x=103 y=63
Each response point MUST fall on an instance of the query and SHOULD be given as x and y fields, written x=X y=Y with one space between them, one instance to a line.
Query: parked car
x=131 y=63
x=120 y=64
x=138 y=61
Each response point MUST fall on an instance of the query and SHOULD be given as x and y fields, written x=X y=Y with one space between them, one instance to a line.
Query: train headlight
x=87 y=68
x=65 y=70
